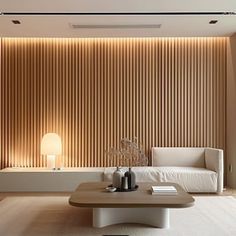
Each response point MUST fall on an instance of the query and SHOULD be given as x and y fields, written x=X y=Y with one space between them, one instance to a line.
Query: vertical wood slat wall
x=93 y=92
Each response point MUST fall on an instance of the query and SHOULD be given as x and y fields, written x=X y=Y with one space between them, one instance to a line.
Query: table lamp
x=51 y=146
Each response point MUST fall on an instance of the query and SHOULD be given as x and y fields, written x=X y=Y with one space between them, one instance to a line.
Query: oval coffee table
x=129 y=207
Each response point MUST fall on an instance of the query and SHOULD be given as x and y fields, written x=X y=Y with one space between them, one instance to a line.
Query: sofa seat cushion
x=192 y=179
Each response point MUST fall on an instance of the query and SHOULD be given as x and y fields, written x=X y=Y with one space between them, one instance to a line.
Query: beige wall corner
x=231 y=113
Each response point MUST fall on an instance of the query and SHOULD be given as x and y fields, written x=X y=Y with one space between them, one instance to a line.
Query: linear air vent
x=114 y=26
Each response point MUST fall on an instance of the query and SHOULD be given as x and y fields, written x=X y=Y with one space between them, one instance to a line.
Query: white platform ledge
x=45 y=180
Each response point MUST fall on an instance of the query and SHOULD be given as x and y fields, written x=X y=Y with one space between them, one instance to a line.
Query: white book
x=161 y=190
x=164 y=189
x=164 y=193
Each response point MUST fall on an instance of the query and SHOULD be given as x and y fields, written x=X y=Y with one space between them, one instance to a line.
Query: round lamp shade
x=51 y=144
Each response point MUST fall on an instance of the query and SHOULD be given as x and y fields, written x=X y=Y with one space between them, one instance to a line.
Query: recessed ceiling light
x=16 y=22
x=212 y=22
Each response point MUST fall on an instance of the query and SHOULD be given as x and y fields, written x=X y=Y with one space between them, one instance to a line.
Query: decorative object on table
x=163 y=190
x=130 y=151
x=52 y=147
x=124 y=183
x=131 y=178
x=116 y=178
x=111 y=189
x=123 y=190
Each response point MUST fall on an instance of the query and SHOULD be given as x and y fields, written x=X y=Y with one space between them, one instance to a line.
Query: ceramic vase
x=116 y=178
x=131 y=178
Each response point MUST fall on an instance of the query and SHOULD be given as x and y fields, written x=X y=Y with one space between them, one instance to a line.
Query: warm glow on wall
x=93 y=92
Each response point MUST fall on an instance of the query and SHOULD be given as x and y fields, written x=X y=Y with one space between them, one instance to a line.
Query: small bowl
x=111 y=189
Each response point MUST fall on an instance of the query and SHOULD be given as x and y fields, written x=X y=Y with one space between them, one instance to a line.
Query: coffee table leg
x=157 y=217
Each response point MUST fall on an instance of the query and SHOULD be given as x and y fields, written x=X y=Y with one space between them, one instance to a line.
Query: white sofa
x=195 y=169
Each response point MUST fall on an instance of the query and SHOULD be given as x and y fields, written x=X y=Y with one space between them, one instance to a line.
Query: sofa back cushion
x=192 y=157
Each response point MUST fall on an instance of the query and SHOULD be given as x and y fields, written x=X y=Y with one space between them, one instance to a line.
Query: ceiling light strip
x=115 y=26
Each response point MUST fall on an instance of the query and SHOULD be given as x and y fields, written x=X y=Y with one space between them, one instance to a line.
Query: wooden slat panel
x=93 y=92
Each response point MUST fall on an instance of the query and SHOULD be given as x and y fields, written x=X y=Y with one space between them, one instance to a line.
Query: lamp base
x=51 y=162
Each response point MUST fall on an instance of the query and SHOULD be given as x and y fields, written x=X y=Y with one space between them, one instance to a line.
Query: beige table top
x=93 y=194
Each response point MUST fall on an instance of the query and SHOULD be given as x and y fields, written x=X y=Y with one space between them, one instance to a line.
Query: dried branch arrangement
x=130 y=151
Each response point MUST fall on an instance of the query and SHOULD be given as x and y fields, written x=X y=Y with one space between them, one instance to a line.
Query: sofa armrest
x=214 y=161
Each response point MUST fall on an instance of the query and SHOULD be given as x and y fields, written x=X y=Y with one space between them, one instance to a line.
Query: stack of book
x=163 y=190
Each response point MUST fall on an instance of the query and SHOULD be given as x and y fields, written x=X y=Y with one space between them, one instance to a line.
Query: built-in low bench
x=45 y=180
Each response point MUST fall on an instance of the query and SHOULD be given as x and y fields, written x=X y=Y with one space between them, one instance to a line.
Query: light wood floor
x=229 y=192
x=14 y=194
x=226 y=192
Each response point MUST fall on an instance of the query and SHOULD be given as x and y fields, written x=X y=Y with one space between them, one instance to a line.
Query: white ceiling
x=58 y=26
